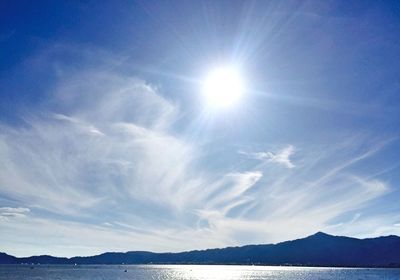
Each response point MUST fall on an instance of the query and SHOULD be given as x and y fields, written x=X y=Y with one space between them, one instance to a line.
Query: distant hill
x=320 y=249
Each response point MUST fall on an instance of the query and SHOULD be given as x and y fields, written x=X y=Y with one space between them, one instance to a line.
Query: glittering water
x=190 y=272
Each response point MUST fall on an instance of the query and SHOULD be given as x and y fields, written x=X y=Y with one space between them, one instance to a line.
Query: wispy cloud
x=281 y=157
x=12 y=212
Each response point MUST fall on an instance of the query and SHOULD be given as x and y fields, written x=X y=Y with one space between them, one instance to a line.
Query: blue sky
x=107 y=143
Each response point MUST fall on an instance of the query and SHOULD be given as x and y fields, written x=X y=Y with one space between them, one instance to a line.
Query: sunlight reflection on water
x=219 y=272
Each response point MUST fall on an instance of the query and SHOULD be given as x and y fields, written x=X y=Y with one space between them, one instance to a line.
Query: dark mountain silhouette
x=320 y=249
x=7 y=259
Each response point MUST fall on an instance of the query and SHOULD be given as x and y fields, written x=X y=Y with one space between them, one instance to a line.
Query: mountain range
x=319 y=249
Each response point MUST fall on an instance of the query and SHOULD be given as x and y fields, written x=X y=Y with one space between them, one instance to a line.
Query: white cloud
x=12 y=212
x=114 y=145
x=281 y=157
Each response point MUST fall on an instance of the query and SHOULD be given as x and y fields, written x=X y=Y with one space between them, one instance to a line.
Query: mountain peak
x=320 y=234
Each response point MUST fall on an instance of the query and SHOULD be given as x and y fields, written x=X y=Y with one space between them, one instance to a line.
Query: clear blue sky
x=107 y=142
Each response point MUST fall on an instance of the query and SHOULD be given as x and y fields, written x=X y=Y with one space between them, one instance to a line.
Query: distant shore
x=318 y=250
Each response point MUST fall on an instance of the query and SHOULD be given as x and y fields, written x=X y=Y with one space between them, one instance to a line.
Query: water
x=188 y=272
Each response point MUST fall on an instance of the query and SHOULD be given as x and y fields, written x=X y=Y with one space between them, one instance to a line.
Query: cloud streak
x=282 y=157
x=12 y=212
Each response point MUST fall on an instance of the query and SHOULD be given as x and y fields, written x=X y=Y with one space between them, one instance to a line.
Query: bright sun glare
x=223 y=87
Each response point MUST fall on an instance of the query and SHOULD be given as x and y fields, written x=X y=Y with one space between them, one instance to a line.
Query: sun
x=223 y=87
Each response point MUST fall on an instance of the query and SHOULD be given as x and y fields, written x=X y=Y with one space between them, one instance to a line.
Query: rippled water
x=192 y=272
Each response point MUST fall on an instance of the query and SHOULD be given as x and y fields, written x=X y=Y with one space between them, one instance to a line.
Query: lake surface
x=191 y=272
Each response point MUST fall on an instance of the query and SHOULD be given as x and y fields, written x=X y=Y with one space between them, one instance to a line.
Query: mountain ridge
x=319 y=249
